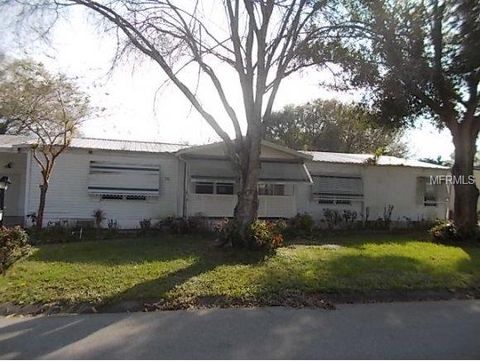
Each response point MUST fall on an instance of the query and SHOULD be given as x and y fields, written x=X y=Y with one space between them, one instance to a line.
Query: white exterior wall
x=398 y=186
x=382 y=186
x=68 y=196
x=221 y=205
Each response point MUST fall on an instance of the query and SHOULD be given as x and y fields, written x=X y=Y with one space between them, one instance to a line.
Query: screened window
x=224 y=188
x=430 y=194
x=329 y=189
x=204 y=187
x=214 y=188
x=334 y=201
x=271 y=189
x=111 y=180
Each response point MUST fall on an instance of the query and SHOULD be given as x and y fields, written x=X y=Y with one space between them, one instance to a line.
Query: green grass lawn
x=182 y=267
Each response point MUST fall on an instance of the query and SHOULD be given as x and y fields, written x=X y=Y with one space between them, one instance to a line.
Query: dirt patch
x=287 y=298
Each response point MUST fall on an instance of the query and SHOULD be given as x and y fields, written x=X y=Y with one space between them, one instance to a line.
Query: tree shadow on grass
x=364 y=274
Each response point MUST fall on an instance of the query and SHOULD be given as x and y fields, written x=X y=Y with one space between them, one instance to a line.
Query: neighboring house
x=131 y=181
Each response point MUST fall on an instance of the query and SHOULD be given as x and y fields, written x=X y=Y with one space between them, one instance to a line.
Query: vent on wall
x=120 y=179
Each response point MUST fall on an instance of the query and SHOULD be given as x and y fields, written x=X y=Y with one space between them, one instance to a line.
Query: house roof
x=11 y=141
x=384 y=160
x=280 y=148
x=8 y=141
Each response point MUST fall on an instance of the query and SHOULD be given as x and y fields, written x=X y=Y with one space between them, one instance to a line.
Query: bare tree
x=258 y=40
x=49 y=107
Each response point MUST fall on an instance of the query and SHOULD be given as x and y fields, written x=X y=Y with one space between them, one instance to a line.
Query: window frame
x=271 y=189
x=204 y=184
x=215 y=185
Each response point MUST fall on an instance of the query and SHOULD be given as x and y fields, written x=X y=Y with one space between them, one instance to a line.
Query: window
x=224 y=188
x=341 y=189
x=271 y=189
x=334 y=201
x=214 y=187
x=113 y=180
x=204 y=187
x=430 y=196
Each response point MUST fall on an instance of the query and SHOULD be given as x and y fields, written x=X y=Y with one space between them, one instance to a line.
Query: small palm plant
x=99 y=216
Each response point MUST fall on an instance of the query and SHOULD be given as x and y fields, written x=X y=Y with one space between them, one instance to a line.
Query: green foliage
x=300 y=224
x=261 y=235
x=349 y=217
x=56 y=232
x=184 y=225
x=445 y=232
x=328 y=125
x=333 y=217
x=180 y=268
x=265 y=235
x=13 y=245
x=412 y=57
x=35 y=101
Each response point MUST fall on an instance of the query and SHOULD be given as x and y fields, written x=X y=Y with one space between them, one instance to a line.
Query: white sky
x=128 y=93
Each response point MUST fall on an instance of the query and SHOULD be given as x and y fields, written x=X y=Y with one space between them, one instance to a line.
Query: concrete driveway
x=431 y=330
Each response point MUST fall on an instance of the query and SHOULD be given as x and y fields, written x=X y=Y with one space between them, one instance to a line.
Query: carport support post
x=4 y=182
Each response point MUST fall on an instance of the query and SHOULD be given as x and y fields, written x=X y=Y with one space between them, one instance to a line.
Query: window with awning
x=331 y=187
x=270 y=172
x=123 y=179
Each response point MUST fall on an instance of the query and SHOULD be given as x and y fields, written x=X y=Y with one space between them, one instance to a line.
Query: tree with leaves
x=49 y=107
x=331 y=126
x=257 y=40
x=418 y=60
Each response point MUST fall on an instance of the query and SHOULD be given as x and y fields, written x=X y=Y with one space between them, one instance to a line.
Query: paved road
x=445 y=329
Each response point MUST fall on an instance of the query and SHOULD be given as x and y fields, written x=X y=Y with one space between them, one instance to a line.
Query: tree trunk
x=465 y=189
x=41 y=205
x=246 y=210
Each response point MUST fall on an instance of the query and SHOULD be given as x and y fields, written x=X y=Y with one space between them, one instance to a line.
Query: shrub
x=54 y=232
x=197 y=224
x=13 y=245
x=182 y=225
x=387 y=215
x=145 y=224
x=265 y=235
x=332 y=217
x=445 y=232
x=349 y=217
x=99 y=216
x=301 y=224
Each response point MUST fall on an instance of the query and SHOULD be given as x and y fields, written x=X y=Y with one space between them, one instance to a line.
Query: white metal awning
x=271 y=172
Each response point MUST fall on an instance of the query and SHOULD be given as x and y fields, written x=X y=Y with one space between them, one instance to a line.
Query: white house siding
x=398 y=186
x=382 y=186
x=217 y=206
x=68 y=197
x=13 y=165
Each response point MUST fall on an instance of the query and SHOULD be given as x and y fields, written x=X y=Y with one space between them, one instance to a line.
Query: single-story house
x=132 y=180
